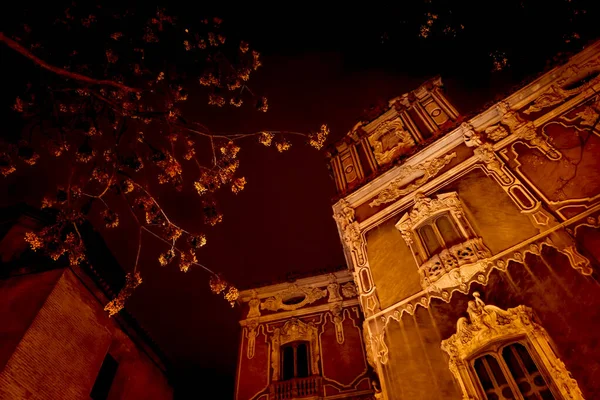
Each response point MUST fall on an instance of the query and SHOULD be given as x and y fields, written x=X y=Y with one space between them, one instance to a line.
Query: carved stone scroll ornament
x=470 y=137
x=276 y=303
x=529 y=133
x=389 y=139
x=350 y=230
x=398 y=188
x=380 y=348
x=488 y=324
x=349 y=290
x=509 y=117
x=486 y=154
x=295 y=330
x=549 y=98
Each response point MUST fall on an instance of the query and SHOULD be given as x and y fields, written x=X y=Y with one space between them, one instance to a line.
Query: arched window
x=509 y=372
x=501 y=354
x=295 y=360
x=439 y=233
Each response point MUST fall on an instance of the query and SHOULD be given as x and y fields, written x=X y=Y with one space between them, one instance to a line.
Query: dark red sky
x=320 y=66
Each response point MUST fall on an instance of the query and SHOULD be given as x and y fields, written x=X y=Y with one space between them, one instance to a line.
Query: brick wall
x=61 y=353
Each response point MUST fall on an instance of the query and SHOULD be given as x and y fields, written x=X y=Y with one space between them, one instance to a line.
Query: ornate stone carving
x=338 y=318
x=251 y=336
x=349 y=290
x=529 y=133
x=253 y=304
x=389 y=139
x=457 y=256
x=368 y=346
x=334 y=290
x=588 y=116
x=350 y=230
x=471 y=138
x=496 y=133
x=397 y=188
x=549 y=98
x=509 y=117
x=486 y=154
x=381 y=349
x=276 y=302
x=295 y=330
x=488 y=324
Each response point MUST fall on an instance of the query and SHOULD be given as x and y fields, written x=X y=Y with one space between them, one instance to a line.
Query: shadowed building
x=474 y=247
x=57 y=340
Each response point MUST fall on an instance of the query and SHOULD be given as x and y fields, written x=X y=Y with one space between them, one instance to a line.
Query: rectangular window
x=105 y=378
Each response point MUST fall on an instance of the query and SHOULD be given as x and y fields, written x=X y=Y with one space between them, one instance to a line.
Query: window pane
x=529 y=380
x=302 y=358
x=430 y=240
x=525 y=357
x=483 y=376
x=288 y=362
x=496 y=370
x=513 y=364
x=448 y=231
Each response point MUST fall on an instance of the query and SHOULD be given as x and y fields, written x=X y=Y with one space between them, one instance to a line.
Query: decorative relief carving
x=381 y=349
x=349 y=290
x=333 y=289
x=397 y=188
x=350 y=230
x=488 y=324
x=251 y=335
x=509 y=117
x=588 y=116
x=486 y=154
x=457 y=256
x=253 y=304
x=549 y=98
x=496 y=133
x=294 y=330
x=470 y=137
x=338 y=318
x=276 y=302
x=390 y=139
x=529 y=133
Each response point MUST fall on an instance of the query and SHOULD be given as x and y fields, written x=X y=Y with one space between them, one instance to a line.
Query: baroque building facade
x=473 y=245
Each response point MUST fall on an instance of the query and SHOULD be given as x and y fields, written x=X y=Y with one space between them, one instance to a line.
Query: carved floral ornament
x=397 y=188
x=488 y=324
x=295 y=330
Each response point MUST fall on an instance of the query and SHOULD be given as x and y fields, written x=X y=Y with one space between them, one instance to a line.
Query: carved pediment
x=390 y=139
x=292 y=298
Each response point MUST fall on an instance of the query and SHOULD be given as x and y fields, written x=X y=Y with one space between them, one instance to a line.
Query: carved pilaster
x=486 y=154
x=350 y=230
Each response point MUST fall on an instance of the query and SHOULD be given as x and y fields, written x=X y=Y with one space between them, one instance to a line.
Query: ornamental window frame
x=489 y=327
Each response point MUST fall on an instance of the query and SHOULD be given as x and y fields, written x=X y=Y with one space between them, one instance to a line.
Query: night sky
x=319 y=66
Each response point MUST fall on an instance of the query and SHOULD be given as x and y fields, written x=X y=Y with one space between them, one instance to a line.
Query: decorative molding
x=488 y=324
x=588 y=116
x=398 y=187
x=295 y=330
x=529 y=133
x=350 y=230
x=276 y=302
x=388 y=139
x=251 y=334
x=486 y=154
x=253 y=306
x=380 y=348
